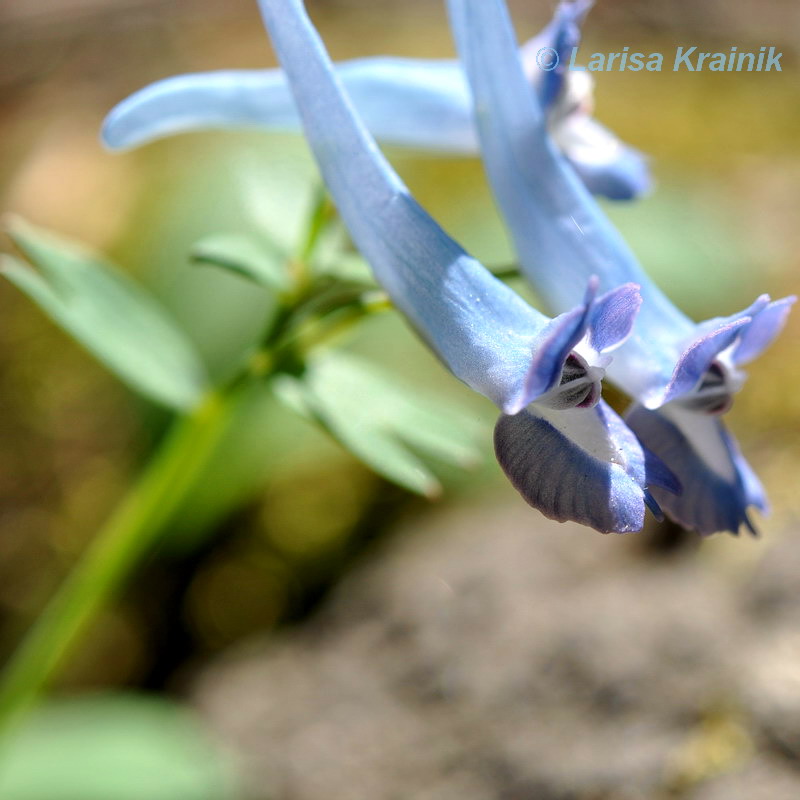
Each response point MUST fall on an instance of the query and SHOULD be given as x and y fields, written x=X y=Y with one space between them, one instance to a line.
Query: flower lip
x=718 y=484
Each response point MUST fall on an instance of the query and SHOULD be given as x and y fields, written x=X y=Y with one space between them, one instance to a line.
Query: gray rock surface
x=489 y=654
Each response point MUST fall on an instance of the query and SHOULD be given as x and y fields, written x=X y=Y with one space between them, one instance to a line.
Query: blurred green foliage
x=125 y=747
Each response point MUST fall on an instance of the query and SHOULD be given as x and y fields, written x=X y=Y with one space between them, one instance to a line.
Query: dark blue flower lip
x=583 y=465
x=718 y=484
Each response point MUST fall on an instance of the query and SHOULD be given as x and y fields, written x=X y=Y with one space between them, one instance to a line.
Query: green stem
x=127 y=537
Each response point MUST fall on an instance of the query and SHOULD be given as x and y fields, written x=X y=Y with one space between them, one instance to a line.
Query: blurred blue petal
x=417 y=103
x=607 y=166
x=561 y=35
x=412 y=102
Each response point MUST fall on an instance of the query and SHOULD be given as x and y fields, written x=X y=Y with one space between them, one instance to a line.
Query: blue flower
x=565 y=451
x=423 y=104
x=569 y=454
x=681 y=374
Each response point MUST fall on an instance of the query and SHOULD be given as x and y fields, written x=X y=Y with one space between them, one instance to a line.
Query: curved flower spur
x=423 y=104
x=569 y=454
x=682 y=374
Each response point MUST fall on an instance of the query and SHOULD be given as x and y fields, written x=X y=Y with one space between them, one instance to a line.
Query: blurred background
x=308 y=630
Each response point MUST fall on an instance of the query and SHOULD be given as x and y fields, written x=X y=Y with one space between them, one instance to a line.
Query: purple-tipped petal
x=582 y=465
x=765 y=325
x=696 y=360
x=613 y=317
x=711 y=338
x=718 y=484
x=558 y=338
x=607 y=319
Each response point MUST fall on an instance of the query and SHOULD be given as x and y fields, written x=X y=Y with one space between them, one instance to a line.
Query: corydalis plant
x=682 y=375
x=543 y=374
x=424 y=104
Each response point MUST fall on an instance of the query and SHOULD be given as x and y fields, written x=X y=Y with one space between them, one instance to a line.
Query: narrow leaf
x=110 y=315
x=257 y=260
x=382 y=421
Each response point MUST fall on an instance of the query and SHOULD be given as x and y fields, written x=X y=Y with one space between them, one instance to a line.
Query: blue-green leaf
x=382 y=421
x=109 y=314
x=256 y=259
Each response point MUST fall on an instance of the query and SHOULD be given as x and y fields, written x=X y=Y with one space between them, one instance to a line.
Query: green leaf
x=334 y=257
x=258 y=260
x=113 y=747
x=109 y=314
x=348 y=267
x=382 y=421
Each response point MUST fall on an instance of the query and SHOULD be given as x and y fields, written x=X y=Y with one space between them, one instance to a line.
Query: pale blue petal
x=582 y=465
x=412 y=102
x=560 y=233
x=718 y=484
x=420 y=103
x=485 y=333
x=766 y=324
x=208 y=100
